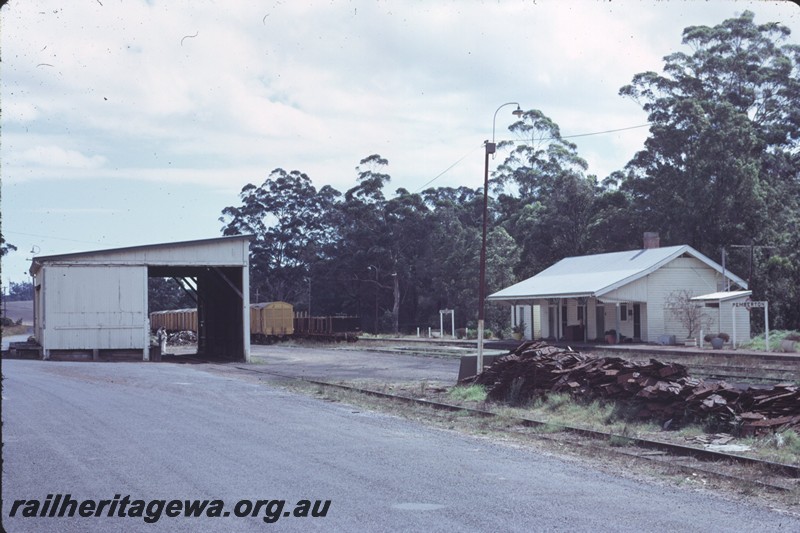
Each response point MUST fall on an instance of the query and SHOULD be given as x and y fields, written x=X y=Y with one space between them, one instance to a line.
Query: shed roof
x=595 y=275
x=723 y=296
x=150 y=254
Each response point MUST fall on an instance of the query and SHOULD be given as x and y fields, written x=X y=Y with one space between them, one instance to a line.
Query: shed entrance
x=219 y=294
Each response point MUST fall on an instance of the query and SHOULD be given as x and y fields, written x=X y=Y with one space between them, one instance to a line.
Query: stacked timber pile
x=662 y=391
x=181 y=338
x=764 y=410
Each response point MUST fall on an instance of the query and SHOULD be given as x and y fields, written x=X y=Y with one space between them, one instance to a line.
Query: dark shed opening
x=219 y=298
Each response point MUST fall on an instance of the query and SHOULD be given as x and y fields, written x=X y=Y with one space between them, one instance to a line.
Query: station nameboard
x=749 y=304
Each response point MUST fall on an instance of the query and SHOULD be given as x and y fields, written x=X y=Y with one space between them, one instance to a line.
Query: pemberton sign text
x=749 y=305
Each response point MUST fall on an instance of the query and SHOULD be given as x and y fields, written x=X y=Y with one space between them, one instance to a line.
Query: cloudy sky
x=135 y=122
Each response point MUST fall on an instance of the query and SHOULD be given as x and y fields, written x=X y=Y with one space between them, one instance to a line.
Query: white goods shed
x=97 y=302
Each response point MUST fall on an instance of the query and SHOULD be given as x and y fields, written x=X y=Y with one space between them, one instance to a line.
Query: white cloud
x=315 y=86
x=58 y=158
x=20 y=111
x=74 y=211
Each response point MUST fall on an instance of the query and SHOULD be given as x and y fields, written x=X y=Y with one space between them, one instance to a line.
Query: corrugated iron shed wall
x=94 y=307
x=98 y=300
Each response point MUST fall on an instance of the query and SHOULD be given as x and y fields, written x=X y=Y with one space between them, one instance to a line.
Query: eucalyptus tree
x=5 y=247
x=287 y=216
x=450 y=263
x=406 y=243
x=615 y=226
x=503 y=256
x=724 y=122
x=356 y=261
x=545 y=198
x=378 y=238
x=720 y=166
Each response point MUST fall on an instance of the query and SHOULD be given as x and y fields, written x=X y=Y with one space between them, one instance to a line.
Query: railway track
x=733 y=366
x=784 y=477
x=745 y=375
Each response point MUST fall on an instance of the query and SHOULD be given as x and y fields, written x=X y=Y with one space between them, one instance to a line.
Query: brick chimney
x=651 y=240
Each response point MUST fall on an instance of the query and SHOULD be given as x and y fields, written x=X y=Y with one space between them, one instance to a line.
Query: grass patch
x=775 y=337
x=692 y=430
x=618 y=441
x=791 y=440
x=597 y=415
x=565 y=410
x=782 y=447
x=470 y=393
x=547 y=428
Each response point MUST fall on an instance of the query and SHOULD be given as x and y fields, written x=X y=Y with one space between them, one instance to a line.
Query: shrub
x=692 y=316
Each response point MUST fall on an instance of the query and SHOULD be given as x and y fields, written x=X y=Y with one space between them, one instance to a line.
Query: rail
x=787 y=471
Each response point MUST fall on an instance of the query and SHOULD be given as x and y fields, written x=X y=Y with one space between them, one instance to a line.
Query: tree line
x=718 y=170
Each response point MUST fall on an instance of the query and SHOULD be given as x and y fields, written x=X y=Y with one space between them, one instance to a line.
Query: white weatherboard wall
x=728 y=314
x=685 y=273
x=93 y=307
x=531 y=315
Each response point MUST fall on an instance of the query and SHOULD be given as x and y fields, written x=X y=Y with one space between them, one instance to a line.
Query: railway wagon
x=175 y=320
x=327 y=327
x=271 y=321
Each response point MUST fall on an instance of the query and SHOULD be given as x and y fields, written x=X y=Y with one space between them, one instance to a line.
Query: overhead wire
x=50 y=237
x=445 y=171
x=602 y=132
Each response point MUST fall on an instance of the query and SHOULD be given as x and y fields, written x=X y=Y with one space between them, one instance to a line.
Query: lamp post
x=490 y=149
x=376 y=297
x=396 y=304
x=34 y=250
